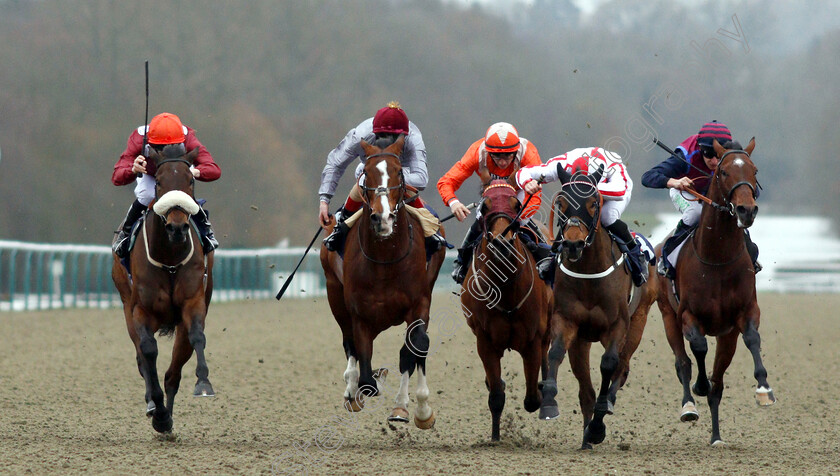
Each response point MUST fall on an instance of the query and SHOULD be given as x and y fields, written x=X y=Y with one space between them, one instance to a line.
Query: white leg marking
x=424 y=411
x=402 y=393
x=351 y=376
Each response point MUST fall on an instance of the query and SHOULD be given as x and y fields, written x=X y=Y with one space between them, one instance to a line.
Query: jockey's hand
x=531 y=187
x=139 y=166
x=196 y=173
x=682 y=184
x=459 y=210
x=324 y=217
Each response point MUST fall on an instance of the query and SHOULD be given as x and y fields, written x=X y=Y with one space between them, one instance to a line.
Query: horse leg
x=548 y=386
x=682 y=363
x=492 y=360
x=596 y=431
x=699 y=347
x=194 y=323
x=181 y=353
x=763 y=394
x=418 y=340
x=723 y=357
x=351 y=378
x=631 y=342
x=147 y=352
x=579 y=361
x=531 y=361
x=363 y=341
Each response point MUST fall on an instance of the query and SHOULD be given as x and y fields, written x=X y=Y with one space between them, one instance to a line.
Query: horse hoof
x=399 y=415
x=353 y=405
x=717 y=443
x=380 y=375
x=549 y=413
x=162 y=426
x=204 y=389
x=764 y=396
x=425 y=424
x=700 y=391
x=689 y=412
x=595 y=433
x=150 y=409
x=610 y=408
x=586 y=446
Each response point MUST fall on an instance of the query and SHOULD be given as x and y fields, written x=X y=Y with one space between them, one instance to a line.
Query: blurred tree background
x=271 y=86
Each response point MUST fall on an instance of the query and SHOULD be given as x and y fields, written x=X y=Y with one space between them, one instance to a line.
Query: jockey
x=692 y=167
x=164 y=129
x=388 y=123
x=507 y=152
x=615 y=187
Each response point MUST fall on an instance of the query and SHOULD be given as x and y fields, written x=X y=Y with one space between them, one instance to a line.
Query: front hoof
x=689 y=412
x=354 y=405
x=425 y=424
x=380 y=375
x=700 y=390
x=586 y=446
x=595 y=432
x=204 y=389
x=399 y=415
x=549 y=413
x=764 y=396
x=610 y=408
x=150 y=409
x=162 y=425
x=718 y=443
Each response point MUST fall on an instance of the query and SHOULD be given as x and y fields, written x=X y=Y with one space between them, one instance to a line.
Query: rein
x=496 y=305
x=576 y=221
x=171 y=268
x=727 y=207
x=382 y=192
x=407 y=251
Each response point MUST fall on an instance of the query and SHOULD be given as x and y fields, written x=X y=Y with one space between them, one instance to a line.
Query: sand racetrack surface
x=72 y=401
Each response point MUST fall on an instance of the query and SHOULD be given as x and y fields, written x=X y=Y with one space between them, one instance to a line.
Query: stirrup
x=459 y=273
x=120 y=244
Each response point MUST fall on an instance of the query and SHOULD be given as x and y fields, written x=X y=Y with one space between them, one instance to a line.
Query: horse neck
x=384 y=249
x=718 y=234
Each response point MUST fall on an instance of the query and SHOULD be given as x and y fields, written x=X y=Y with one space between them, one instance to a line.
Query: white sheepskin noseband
x=175 y=198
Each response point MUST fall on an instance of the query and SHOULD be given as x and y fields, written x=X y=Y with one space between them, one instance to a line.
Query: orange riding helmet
x=166 y=128
x=501 y=138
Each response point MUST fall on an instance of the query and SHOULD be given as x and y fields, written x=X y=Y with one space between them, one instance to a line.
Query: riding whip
x=289 y=279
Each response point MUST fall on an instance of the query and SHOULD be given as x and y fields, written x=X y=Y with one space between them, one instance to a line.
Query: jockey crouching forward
x=615 y=187
x=691 y=168
x=164 y=129
x=495 y=156
x=387 y=124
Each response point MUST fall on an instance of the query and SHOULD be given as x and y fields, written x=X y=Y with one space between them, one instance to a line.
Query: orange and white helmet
x=501 y=138
x=166 y=128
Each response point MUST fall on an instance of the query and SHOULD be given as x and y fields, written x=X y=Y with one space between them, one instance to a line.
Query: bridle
x=381 y=191
x=172 y=269
x=727 y=206
x=591 y=222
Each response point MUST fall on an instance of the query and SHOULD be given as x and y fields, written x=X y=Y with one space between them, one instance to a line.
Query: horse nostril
x=374 y=217
x=755 y=211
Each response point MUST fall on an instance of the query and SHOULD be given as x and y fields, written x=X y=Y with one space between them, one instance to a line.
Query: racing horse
x=382 y=281
x=715 y=285
x=592 y=303
x=506 y=304
x=170 y=284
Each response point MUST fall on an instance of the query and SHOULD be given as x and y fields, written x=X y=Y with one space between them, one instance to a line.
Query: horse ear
x=562 y=175
x=749 y=148
x=719 y=150
x=366 y=147
x=399 y=144
x=153 y=155
x=598 y=173
x=514 y=204
x=191 y=156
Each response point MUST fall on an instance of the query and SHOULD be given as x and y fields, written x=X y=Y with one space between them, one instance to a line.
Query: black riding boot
x=335 y=240
x=465 y=252
x=542 y=256
x=202 y=222
x=638 y=266
x=681 y=232
x=752 y=249
x=135 y=211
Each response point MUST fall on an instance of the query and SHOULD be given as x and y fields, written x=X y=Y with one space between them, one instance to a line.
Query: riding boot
x=663 y=266
x=542 y=254
x=335 y=240
x=202 y=222
x=434 y=243
x=465 y=253
x=752 y=249
x=135 y=211
x=638 y=267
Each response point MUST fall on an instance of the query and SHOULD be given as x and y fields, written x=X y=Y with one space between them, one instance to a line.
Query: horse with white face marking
x=382 y=281
x=170 y=285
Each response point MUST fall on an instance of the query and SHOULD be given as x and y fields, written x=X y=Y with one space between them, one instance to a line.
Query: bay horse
x=592 y=304
x=382 y=281
x=506 y=304
x=715 y=284
x=170 y=285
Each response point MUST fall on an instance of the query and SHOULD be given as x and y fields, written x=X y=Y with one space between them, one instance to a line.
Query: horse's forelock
x=174 y=151
x=732 y=145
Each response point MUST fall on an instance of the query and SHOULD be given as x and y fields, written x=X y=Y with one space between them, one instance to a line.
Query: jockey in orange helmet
x=164 y=129
x=497 y=155
x=388 y=123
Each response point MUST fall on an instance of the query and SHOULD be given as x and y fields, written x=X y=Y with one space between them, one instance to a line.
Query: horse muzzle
x=383 y=225
x=573 y=250
x=177 y=232
x=745 y=215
